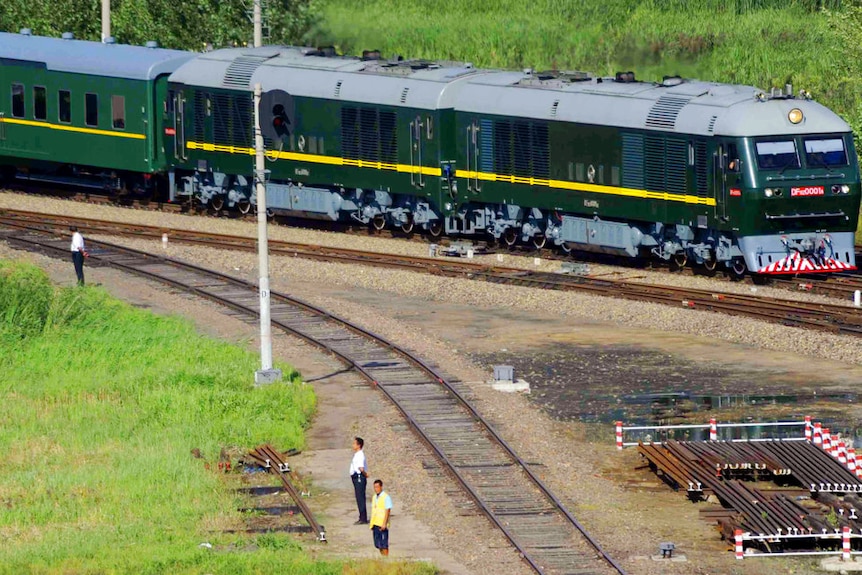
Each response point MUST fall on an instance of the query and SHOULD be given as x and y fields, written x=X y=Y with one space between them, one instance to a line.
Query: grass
x=100 y=406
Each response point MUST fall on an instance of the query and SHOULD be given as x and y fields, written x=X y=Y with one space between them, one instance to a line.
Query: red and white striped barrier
x=835 y=439
x=818 y=434
x=842 y=452
x=851 y=459
x=845 y=543
x=827 y=440
x=808 y=428
x=619 y=435
x=713 y=430
x=737 y=535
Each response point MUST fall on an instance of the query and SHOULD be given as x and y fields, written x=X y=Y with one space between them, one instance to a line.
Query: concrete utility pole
x=258 y=25
x=106 y=20
x=266 y=374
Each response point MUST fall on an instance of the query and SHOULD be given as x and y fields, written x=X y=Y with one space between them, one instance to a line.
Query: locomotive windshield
x=777 y=155
x=825 y=152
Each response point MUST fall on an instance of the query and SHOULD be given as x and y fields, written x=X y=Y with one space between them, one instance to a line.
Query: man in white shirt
x=78 y=253
x=359 y=476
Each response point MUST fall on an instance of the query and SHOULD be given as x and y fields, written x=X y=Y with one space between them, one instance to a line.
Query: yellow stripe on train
x=63 y=128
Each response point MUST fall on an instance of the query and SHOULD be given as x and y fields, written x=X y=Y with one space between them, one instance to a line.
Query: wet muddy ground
x=603 y=384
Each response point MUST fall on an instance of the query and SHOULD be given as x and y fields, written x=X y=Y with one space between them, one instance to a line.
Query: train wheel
x=407 y=227
x=565 y=248
x=737 y=269
x=710 y=265
x=539 y=241
x=217 y=203
x=680 y=259
x=510 y=237
x=244 y=206
x=378 y=222
x=760 y=279
x=269 y=214
x=435 y=228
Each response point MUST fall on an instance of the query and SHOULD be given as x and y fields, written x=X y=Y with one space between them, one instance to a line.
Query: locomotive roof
x=94 y=58
x=689 y=107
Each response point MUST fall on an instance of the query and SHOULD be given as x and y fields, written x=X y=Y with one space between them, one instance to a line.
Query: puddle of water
x=604 y=384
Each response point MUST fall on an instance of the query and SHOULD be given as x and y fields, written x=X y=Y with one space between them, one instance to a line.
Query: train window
x=320 y=149
x=40 y=103
x=64 y=100
x=118 y=112
x=91 y=107
x=777 y=155
x=579 y=172
x=571 y=171
x=312 y=144
x=825 y=152
x=615 y=175
x=601 y=174
x=18 y=100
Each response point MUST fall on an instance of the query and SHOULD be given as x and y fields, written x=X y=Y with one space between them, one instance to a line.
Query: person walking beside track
x=78 y=253
x=381 y=507
x=359 y=475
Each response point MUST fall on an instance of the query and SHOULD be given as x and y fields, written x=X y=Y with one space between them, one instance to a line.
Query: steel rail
x=821 y=317
x=439 y=452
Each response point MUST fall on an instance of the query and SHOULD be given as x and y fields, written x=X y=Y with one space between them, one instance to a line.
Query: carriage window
x=777 y=155
x=825 y=152
x=40 y=103
x=18 y=100
x=92 y=109
x=118 y=112
x=65 y=102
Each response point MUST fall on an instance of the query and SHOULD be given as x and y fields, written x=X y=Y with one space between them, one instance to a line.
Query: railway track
x=814 y=316
x=839 y=285
x=546 y=535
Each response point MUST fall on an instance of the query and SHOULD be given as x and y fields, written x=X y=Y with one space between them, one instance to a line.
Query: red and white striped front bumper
x=798 y=264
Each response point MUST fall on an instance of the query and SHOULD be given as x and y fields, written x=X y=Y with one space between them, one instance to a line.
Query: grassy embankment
x=813 y=44
x=100 y=406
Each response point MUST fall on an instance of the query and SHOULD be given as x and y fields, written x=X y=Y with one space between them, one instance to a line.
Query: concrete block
x=267 y=376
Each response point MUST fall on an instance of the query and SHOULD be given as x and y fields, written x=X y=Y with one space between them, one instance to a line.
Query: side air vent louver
x=240 y=71
x=404 y=95
x=664 y=112
x=554 y=107
x=711 y=127
x=633 y=161
x=338 y=89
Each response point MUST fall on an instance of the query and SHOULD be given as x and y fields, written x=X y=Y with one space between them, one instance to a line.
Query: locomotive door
x=177 y=127
x=719 y=182
x=473 y=158
x=417 y=179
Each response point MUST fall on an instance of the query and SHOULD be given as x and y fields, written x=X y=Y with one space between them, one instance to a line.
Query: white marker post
x=266 y=374
x=106 y=20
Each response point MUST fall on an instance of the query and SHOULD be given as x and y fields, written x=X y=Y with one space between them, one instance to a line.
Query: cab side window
x=40 y=103
x=91 y=104
x=64 y=101
x=118 y=112
x=18 y=100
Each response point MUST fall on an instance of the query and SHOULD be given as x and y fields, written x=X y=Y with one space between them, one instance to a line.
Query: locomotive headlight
x=768 y=192
x=845 y=189
x=795 y=116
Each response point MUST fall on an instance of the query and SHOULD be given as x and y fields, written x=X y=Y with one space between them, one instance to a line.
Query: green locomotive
x=714 y=173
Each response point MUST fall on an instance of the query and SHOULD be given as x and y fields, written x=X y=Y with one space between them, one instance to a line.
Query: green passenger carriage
x=83 y=112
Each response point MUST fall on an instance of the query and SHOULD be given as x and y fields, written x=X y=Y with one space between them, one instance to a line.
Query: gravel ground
x=296 y=272
x=382 y=245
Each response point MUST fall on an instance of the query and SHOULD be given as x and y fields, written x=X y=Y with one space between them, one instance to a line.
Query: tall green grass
x=100 y=407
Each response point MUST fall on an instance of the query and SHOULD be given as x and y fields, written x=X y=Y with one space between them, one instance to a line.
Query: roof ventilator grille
x=338 y=88
x=240 y=71
x=554 y=107
x=404 y=95
x=664 y=112
x=711 y=127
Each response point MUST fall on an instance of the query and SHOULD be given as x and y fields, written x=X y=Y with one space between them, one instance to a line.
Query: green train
x=714 y=174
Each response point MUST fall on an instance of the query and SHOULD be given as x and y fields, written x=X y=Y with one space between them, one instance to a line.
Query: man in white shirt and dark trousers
x=78 y=253
x=359 y=476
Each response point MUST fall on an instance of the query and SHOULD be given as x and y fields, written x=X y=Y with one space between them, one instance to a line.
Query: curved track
x=815 y=316
x=544 y=532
